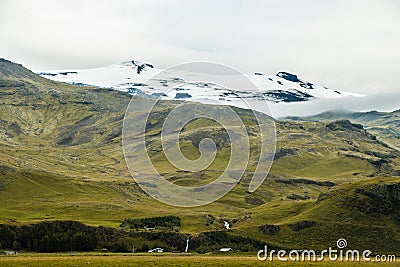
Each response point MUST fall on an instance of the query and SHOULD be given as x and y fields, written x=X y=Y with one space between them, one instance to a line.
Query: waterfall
x=187 y=245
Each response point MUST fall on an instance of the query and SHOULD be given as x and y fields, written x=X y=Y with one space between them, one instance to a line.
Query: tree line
x=60 y=236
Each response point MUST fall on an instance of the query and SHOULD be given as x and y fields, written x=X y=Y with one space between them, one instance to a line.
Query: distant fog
x=380 y=102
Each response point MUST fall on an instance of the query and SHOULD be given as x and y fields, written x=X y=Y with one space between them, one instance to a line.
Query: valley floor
x=142 y=259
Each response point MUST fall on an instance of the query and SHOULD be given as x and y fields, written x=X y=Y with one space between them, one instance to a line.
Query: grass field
x=61 y=260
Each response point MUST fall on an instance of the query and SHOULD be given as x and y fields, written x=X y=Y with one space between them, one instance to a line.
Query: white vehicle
x=156 y=250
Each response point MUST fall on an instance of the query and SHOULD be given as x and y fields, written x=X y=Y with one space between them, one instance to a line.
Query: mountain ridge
x=384 y=124
x=133 y=77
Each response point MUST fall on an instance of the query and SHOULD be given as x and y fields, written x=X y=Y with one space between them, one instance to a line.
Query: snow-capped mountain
x=138 y=78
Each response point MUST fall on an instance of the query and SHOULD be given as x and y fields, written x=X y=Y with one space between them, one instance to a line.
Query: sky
x=348 y=45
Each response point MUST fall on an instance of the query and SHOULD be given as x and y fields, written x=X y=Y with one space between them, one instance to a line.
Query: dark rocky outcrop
x=270 y=229
x=297 y=197
x=141 y=67
x=304 y=181
x=282 y=152
x=302 y=225
x=343 y=125
x=287 y=96
x=384 y=199
x=254 y=201
x=288 y=76
x=182 y=95
x=293 y=78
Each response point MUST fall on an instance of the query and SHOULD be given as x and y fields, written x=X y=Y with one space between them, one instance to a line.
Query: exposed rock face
x=293 y=78
x=182 y=95
x=141 y=66
x=288 y=76
x=282 y=152
x=305 y=181
x=302 y=225
x=5 y=169
x=297 y=197
x=384 y=199
x=254 y=201
x=270 y=229
x=343 y=125
x=323 y=196
x=287 y=96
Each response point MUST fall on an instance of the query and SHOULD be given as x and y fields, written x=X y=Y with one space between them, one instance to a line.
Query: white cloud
x=386 y=102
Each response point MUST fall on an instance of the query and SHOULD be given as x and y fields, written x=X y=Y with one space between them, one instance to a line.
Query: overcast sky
x=343 y=44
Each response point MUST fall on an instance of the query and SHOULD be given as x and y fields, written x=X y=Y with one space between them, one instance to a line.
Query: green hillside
x=61 y=159
x=386 y=125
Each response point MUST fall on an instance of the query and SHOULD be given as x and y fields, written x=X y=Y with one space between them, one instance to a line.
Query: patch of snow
x=135 y=77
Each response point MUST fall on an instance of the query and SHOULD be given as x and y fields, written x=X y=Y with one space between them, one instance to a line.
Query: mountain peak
x=138 y=66
x=293 y=78
x=288 y=76
x=8 y=67
x=135 y=77
x=14 y=74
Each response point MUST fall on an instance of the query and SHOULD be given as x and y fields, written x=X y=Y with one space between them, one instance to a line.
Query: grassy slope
x=61 y=158
x=384 y=124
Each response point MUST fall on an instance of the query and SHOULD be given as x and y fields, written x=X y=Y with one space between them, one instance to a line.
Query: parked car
x=156 y=250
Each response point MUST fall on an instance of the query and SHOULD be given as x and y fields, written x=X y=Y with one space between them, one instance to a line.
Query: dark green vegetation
x=59 y=236
x=61 y=159
x=164 y=223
